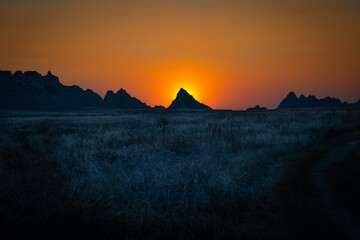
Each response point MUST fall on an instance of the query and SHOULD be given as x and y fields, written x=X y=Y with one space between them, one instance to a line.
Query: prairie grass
x=161 y=175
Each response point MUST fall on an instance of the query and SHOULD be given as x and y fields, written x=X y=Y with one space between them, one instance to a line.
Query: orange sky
x=229 y=54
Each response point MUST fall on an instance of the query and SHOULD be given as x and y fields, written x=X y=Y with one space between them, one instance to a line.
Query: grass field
x=165 y=175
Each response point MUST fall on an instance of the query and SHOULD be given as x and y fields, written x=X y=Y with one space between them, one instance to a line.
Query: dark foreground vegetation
x=345 y=178
x=190 y=175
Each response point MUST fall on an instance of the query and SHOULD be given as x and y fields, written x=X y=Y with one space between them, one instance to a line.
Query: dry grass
x=176 y=175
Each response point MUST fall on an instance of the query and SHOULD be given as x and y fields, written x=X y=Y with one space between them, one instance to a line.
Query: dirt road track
x=326 y=200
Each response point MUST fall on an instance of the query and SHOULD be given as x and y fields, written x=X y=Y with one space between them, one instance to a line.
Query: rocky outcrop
x=159 y=107
x=32 y=91
x=123 y=100
x=184 y=100
x=257 y=108
x=292 y=101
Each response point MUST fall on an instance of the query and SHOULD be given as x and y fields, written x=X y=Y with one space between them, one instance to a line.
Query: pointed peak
x=185 y=100
x=291 y=94
x=183 y=92
x=50 y=77
x=121 y=91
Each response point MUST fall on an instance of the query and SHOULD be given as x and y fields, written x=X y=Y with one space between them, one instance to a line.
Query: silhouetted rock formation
x=185 y=101
x=257 y=108
x=30 y=90
x=123 y=100
x=292 y=101
x=159 y=107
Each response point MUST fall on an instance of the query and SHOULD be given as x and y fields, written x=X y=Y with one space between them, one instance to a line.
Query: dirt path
x=330 y=203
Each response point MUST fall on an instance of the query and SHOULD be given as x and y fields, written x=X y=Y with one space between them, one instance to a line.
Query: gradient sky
x=228 y=54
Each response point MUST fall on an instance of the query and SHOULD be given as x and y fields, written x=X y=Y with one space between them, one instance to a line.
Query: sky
x=229 y=54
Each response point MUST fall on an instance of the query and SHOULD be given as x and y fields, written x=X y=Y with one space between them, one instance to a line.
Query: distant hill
x=123 y=100
x=31 y=90
x=184 y=100
x=292 y=101
x=257 y=108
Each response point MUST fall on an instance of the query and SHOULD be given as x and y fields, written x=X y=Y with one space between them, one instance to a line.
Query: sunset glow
x=228 y=54
x=201 y=81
